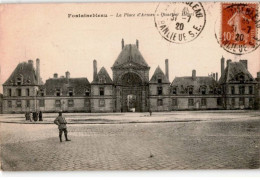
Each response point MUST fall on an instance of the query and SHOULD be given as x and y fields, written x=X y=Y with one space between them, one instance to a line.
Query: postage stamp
x=180 y=22
x=239 y=32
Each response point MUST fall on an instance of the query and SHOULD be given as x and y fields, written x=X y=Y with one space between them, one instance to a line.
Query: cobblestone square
x=184 y=140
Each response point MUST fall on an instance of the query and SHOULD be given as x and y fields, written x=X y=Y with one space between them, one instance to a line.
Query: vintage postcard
x=130 y=86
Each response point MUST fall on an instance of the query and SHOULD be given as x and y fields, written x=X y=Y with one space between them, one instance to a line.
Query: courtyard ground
x=133 y=141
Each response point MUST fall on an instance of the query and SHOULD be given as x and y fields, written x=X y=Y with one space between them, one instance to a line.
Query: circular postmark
x=239 y=28
x=180 y=22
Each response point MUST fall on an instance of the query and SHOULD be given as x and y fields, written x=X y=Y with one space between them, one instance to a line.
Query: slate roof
x=233 y=70
x=158 y=71
x=26 y=71
x=130 y=52
x=102 y=74
x=79 y=85
x=183 y=82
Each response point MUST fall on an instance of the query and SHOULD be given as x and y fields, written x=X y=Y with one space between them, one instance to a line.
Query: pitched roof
x=102 y=74
x=79 y=85
x=233 y=70
x=27 y=73
x=158 y=71
x=130 y=53
x=184 y=82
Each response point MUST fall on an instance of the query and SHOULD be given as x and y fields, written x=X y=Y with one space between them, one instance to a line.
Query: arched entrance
x=131 y=93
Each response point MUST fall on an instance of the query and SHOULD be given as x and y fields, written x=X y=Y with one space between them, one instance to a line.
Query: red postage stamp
x=238 y=27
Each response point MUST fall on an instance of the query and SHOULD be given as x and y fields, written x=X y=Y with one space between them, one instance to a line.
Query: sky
x=44 y=31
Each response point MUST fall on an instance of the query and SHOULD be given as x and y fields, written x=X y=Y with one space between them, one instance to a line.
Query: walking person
x=61 y=122
x=40 y=116
x=30 y=116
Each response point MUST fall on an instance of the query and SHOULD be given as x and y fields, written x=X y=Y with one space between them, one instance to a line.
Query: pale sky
x=63 y=44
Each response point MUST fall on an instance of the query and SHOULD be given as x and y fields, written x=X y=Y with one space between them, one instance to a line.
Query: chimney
x=137 y=44
x=216 y=76
x=222 y=65
x=194 y=74
x=67 y=75
x=55 y=75
x=38 y=70
x=94 y=69
x=30 y=62
x=258 y=74
x=244 y=62
x=123 y=43
x=228 y=61
x=167 y=68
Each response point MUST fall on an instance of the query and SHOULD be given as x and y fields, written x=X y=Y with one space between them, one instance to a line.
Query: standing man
x=61 y=122
x=40 y=116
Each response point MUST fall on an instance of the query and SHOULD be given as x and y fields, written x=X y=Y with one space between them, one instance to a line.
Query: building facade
x=130 y=89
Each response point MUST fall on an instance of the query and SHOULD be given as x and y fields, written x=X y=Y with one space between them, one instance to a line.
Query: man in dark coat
x=61 y=122
x=40 y=116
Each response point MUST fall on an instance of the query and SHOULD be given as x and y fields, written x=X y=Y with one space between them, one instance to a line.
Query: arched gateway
x=131 y=78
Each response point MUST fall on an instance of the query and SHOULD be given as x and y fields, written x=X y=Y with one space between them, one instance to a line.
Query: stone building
x=130 y=88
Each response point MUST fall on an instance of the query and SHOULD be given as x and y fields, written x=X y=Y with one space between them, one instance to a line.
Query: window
x=87 y=93
x=219 y=101
x=18 y=103
x=190 y=90
x=190 y=102
x=9 y=93
x=203 y=101
x=87 y=103
x=41 y=103
x=174 y=90
x=57 y=103
x=41 y=92
x=70 y=103
x=19 y=92
x=250 y=89
x=9 y=104
x=159 y=79
x=241 y=101
x=27 y=92
x=241 y=78
x=159 y=102
x=174 y=102
x=27 y=103
x=233 y=101
x=211 y=90
x=101 y=103
x=19 y=81
x=101 y=91
x=232 y=90
x=70 y=91
x=159 y=90
x=58 y=92
x=241 y=89
x=203 y=90
x=102 y=79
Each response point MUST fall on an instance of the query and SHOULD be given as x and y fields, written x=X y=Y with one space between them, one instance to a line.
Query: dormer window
x=242 y=78
x=58 y=92
x=159 y=79
x=87 y=93
x=190 y=90
x=203 y=90
x=70 y=92
x=19 y=81
x=174 y=90
x=102 y=79
x=41 y=92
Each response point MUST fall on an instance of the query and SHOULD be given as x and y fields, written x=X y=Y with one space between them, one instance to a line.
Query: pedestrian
x=30 y=116
x=61 y=122
x=40 y=116
x=34 y=116
x=150 y=112
x=27 y=116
